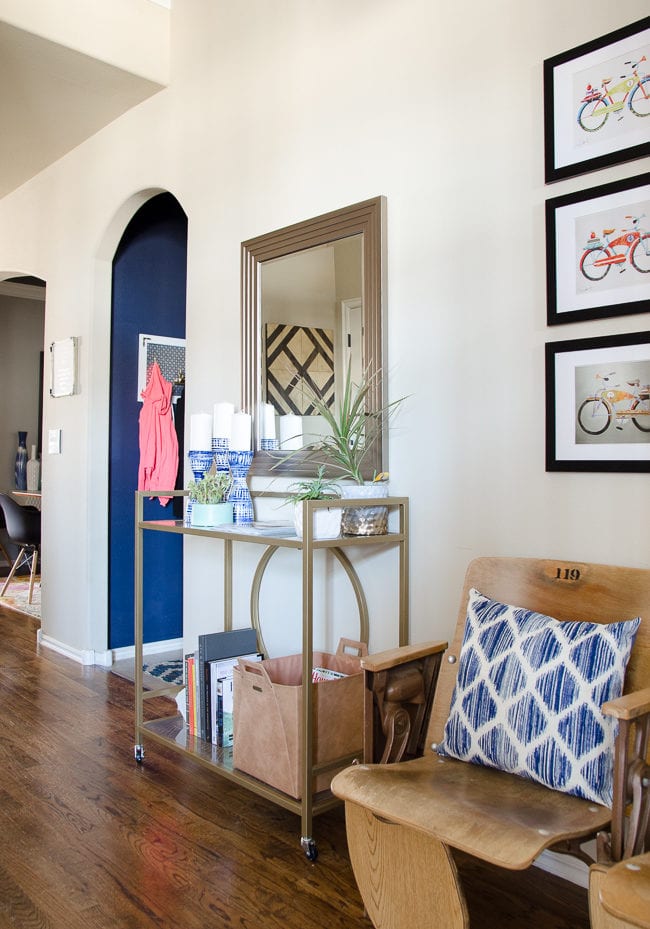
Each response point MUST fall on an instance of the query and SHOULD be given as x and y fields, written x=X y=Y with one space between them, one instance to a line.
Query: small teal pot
x=209 y=515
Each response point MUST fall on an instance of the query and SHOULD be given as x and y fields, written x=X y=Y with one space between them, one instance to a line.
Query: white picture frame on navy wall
x=169 y=352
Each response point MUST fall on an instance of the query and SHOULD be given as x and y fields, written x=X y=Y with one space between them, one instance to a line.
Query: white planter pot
x=208 y=515
x=327 y=522
x=365 y=520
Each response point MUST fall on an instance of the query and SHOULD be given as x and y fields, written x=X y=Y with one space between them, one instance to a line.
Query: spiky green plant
x=354 y=429
x=315 y=488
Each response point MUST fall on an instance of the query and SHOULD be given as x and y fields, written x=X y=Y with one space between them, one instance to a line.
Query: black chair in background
x=3 y=551
x=24 y=530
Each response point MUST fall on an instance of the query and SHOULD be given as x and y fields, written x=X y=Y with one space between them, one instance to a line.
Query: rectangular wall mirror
x=311 y=306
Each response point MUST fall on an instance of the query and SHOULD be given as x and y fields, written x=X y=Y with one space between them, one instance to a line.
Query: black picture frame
x=584 y=378
x=573 y=80
x=598 y=252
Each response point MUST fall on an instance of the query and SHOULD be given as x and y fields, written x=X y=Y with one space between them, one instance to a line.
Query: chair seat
x=625 y=891
x=498 y=817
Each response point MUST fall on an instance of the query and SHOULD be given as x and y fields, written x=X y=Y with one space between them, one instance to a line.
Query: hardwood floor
x=91 y=839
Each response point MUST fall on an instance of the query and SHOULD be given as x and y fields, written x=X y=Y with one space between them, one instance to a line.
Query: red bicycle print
x=602 y=253
x=613 y=403
x=633 y=89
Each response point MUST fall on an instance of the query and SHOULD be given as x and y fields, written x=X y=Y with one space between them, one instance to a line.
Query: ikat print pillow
x=528 y=696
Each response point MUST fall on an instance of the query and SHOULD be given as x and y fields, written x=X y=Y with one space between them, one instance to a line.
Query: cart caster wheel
x=310 y=849
x=138 y=752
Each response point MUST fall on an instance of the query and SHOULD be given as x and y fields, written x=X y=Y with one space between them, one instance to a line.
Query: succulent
x=212 y=488
x=316 y=488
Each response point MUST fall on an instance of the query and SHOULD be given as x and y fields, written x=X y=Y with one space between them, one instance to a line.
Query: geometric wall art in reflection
x=299 y=366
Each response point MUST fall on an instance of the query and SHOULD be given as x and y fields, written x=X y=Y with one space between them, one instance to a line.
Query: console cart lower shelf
x=173 y=733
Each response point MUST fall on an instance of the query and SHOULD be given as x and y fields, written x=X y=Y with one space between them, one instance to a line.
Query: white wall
x=284 y=286
x=129 y=34
x=278 y=112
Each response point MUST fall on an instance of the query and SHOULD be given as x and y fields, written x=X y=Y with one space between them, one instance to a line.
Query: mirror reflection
x=311 y=330
x=311 y=306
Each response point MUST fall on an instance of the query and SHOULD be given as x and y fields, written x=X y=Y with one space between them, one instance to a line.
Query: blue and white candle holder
x=269 y=445
x=220 y=451
x=239 y=494
x=200 y=463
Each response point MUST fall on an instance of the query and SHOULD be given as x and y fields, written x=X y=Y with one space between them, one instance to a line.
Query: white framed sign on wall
x=63 y=367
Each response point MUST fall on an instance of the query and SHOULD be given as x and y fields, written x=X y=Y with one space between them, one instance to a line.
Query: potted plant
x=208 y=496
x=354 y=431
x=326 y=521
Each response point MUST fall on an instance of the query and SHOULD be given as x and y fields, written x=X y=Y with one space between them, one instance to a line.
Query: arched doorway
x=148 y=296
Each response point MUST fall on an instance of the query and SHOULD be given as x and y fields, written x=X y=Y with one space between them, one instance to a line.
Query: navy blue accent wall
x=149 y=275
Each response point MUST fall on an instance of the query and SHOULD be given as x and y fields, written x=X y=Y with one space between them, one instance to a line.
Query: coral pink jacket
x=158 y=442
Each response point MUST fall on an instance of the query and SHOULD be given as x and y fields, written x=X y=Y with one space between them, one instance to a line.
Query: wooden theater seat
x=619 y=896
x=403 y=819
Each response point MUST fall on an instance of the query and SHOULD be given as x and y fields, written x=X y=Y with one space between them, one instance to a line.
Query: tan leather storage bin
x=268 y=710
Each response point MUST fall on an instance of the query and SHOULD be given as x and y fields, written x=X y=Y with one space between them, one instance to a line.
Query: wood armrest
x=399 y=687
x=631 y=771
x=630 y=706
x=393 y=657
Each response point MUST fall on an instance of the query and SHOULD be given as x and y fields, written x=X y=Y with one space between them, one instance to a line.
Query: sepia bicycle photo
x=598 y=403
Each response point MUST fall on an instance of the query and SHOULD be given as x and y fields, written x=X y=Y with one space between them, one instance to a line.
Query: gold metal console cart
x=172 y=732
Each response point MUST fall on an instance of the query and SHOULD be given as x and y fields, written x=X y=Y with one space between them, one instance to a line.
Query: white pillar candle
x=268 y=421
x=290 y=431
x=240 y=434
x=222 y=420
x=200 y=432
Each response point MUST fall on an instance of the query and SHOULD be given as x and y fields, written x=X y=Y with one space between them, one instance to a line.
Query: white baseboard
x=565 y=866
x=81 y=656
x=149 y=648
x=105 y=659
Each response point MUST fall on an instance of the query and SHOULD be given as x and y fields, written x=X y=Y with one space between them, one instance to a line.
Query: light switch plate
x=54 y=441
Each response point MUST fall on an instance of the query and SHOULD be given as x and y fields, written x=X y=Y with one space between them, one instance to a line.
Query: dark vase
x=20 y=470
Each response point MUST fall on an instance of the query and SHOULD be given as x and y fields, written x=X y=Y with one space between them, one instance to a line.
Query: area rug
x=159 y=670
x=169 y=671
x=17 y=596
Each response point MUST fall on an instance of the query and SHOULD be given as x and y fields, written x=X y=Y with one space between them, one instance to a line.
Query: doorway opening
x=148 y=296
x=22 y=311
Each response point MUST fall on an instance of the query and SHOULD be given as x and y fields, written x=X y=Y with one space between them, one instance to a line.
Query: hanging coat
x=158 y=442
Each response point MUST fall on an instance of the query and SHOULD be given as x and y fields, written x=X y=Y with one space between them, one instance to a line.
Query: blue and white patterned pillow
x=528 y=696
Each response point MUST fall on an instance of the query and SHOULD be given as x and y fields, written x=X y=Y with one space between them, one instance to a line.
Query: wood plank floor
x=91 y=839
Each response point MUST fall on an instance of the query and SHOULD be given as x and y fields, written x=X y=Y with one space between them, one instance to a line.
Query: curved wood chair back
x=561 y=589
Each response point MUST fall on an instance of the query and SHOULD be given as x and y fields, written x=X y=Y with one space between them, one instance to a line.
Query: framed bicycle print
x=598 y=252
x=597 y=103
x=598 y=404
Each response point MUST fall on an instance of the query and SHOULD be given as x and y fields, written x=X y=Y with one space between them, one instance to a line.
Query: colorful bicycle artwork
x=631 y=89
x=613 y=403
x=616 y=249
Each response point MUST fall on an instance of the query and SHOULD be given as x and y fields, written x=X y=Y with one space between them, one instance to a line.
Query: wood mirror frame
x=365 y=218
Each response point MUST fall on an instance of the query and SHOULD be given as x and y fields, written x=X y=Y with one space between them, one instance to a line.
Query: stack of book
x=208 y=676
